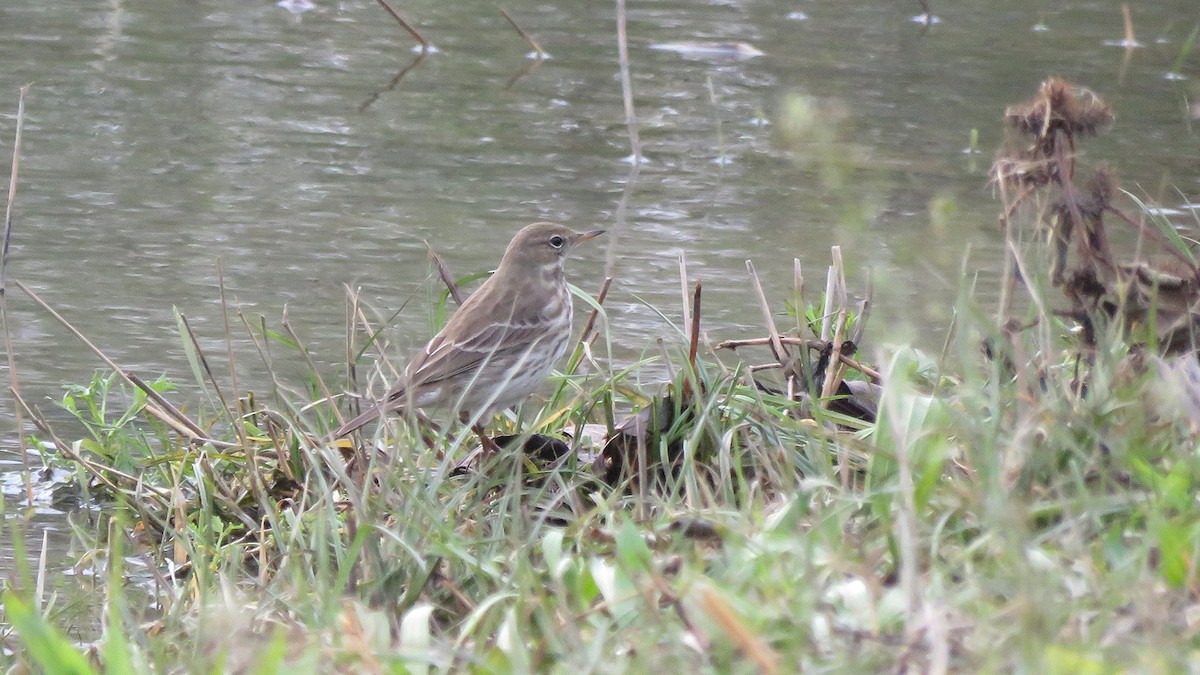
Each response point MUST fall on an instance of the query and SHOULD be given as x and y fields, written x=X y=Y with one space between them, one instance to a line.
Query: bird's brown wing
x=443 y=359
x=447 y=357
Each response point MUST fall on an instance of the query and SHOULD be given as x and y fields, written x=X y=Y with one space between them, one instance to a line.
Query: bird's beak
x=590 y=234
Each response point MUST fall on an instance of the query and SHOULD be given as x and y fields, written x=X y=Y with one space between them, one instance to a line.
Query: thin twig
x=800 y=307
x=683 y=288
x=39 y=591
x=591 y=322
x=1152 y=234
x=121 y=372
x=864 y=312
x=798 y=293
x=801 y=342
x=833 y=370
x=833 y=377
x=627 y=85
x=752 y=646
x=406 y=26
x=777 y=349
x=307 y=355
x=98 y=471
x=238 y=427
x=444 y=272
x=194 y=431
x=537 y=48
x=208 y=371
x=12 y=187
x=352 y=311
x=185 y=431
x=1127 y=20
x=827 y=309
x=694 y=333
x=13 y=381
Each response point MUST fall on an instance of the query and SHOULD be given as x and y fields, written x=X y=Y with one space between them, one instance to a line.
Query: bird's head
x=543 y=246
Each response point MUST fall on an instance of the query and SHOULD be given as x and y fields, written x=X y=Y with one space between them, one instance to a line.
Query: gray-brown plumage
x=504 y=340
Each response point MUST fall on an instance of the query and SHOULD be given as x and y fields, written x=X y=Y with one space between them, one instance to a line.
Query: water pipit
x=504 y=340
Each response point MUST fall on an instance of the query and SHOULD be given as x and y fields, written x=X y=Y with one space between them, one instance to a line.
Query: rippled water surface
x=168 y=141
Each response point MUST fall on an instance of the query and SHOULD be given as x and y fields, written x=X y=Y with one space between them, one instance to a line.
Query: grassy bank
x=1023 y=501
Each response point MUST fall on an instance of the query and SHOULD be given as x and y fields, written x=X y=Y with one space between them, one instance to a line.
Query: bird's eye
x=557 y=241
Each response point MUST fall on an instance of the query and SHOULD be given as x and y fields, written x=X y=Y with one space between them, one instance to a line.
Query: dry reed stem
x=817 y=345
x=171 y=417
x=833 y=371
x=627 y=85
x=694 y=333
x=236 y=420
x=643 y=458
x=586 y=335
x=179 y=524
x=208 y=371
x=14 y=382
x=98 y=471
x=833 y=377
x=1153 y=234
x=781 y=354
x=798 y=299
x=864 y=312
x=683 y=288
x=121 y=372
x=835 y=288
x=537 y=48
x=174 y=412
x=406 y=25
x=664 y=355
x=747 y=642
x=352 y=311
x=39 y=586
x=444 y=274
x=798 y=293
x=306 y=355
x=12 y=186
x=827 y=308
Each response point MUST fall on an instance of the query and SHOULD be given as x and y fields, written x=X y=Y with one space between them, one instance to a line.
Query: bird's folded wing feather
x=445 y=359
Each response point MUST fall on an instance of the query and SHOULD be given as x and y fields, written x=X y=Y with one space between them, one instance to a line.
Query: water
x=165 y=141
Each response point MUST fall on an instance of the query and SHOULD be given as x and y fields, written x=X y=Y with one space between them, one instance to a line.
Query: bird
x=502 y=342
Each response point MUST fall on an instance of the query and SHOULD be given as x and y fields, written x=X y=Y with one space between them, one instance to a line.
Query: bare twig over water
x=12 y=187
x=627 y=85
x=780 y=352
x=591 y=322
x=13 y=383
x=445 y=275
x=537 y=48
x=130 y=378
x=425 y=45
